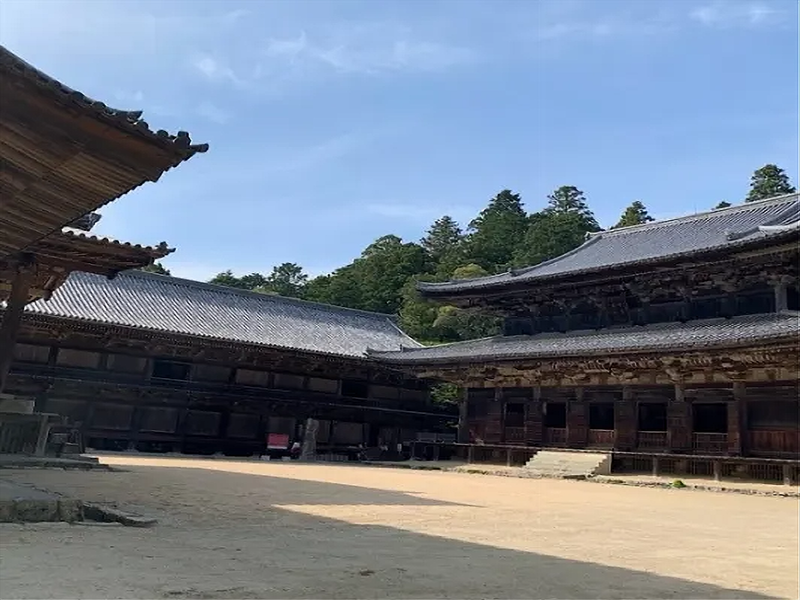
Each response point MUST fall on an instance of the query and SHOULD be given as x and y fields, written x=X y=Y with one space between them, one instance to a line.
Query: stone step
x=551 y=463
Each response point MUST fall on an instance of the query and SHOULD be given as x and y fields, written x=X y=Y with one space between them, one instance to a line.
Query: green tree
x=443 y=238
x=722 y=204
x=569 y=199
x=497 y=231
x=417 y=314
x=228 y=279
x=287 y=279
x=635 y=214
x=157 y=268
x=375 y=280
x=552 y=236
x=767 y=182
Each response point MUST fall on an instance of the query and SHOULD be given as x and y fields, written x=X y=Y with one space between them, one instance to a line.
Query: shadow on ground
x=222 y=536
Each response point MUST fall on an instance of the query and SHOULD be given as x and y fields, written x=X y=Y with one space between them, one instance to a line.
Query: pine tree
x=767 y=182
x=569 y=199
x=635 y=214
x=497 y=231
x=443 y=237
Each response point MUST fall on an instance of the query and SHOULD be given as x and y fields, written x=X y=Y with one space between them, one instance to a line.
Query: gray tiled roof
x=651 y=242
x=718 y=333
x=161 y=303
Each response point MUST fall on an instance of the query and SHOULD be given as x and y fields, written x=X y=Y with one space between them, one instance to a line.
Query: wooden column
x=463 y=425
x=737 y=420
x=577 y=421
x=625 y=421
x=12 y=318
x=679 y=423
x=534 y=419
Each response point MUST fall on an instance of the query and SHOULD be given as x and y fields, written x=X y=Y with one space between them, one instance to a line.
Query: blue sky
x=333 y=123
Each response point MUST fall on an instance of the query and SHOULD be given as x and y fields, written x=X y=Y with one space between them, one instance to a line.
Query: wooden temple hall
x=133 y=360
x=674 y=343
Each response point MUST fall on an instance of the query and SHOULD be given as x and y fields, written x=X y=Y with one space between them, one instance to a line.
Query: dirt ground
x=277 y=530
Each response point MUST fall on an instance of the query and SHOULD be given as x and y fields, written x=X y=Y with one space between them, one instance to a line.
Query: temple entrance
x=652 y=426
x=601 y=424
x=710 y=427
x=555 y=423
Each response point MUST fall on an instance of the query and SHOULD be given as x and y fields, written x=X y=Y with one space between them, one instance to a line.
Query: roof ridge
x=223 y=289
x=743 y=207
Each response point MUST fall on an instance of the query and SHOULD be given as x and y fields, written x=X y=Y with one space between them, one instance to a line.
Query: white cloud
x=213 y=113
x=366 y=49
x=732 y=14
x=422 y=213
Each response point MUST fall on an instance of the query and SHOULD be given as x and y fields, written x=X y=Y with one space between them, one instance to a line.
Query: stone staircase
x=569 y=465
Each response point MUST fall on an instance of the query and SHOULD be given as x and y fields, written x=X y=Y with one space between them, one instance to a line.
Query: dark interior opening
x=601 y=415
x=355 y=389
x=710 y=418
x=555 y=415
x=773 y=414
x=168 y=369
x=756 y=302
x=477 y=408
x=653 y=416
x=518 y=326
x=515 y=414
x=793 y=298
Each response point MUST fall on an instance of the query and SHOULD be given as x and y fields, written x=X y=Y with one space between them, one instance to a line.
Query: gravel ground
x=232 y=529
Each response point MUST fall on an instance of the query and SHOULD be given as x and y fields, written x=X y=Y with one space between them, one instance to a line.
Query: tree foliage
x=635 y=214
x=497 y=231
x=157 y=268
x=767 y=182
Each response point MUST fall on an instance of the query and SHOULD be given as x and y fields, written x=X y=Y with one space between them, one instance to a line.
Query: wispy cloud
x=356 y=49
x=213 y=113
x=733 y=14
x=420 y=213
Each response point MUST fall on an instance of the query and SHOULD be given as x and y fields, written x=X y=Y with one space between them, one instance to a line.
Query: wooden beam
x=12 y=317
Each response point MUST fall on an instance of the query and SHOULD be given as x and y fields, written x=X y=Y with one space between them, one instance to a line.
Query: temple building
x=63 y=156
x=161 y=364
x=679 y=337
x=140 y=361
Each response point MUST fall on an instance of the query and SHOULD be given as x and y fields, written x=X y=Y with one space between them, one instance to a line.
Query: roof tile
x=658 y=337
x=168 y=304
x=651 y=242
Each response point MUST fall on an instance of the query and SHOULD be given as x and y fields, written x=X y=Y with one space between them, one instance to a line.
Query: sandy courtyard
x=275 y=530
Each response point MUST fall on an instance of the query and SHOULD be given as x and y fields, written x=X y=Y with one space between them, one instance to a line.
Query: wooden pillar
x=577 y=421
x=12 y=318
x=625 y=421
x=737 y=420
x=679 y=423
x=534 y=419
x=463 y=425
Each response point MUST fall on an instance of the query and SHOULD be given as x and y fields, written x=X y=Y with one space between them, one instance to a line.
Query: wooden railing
x=601 y=437
x=651 y=440
x=555 y=436
x=710 y=443
x=515 y=434
x=774 y=442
